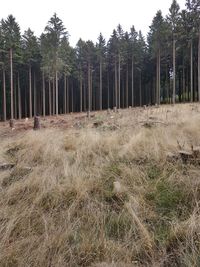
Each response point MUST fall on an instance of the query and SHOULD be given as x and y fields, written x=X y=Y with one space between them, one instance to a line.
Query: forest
x=46 y=76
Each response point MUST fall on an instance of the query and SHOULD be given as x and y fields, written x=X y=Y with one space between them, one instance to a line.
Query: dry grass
x=103 y=196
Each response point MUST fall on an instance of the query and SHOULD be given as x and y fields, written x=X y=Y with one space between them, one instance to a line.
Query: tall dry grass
x=105 y=196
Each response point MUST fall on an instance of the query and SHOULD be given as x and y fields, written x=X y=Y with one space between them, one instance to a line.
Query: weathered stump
x=12 y=123
x=36 y=123
x=108 y=111
x=115 y=109
x=88 y=114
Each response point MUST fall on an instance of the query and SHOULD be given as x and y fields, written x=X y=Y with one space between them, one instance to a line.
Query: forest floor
x=119 y=189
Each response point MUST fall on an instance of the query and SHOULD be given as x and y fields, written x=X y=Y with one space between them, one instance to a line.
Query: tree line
x=46 y=76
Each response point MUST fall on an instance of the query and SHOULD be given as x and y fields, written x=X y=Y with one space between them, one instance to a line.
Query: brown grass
x=103 y=194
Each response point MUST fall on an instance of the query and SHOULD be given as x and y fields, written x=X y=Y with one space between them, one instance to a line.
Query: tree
x=193 y=7
x=173 y=19
x=101 y=56
x=156 y=40
x=31 y=55
x=133 y=44
x=54 y=32
x=11 y=35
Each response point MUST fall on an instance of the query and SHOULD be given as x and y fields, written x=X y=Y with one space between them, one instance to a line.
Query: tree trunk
x=72 y=96
x=89 y=89
x=50 y=110
x=108 y=104
x=56 y=93
x=11 y=85
x=127 y=85
x=174 y=72
x=35 y=95
x=65 y=94
x=100 y=95
x=53 y=98
x=15 y=99
x=119 y=81
x=43 y=94
x=191 y=71
x=30 y=92
x=84 y=94
x=116 y=83
x=4 y=95
x=19 y=98
x=81 y=92
x=159 y=76
x=199 y=67
x=184 y=92
x=132 y=81
x=140 y=88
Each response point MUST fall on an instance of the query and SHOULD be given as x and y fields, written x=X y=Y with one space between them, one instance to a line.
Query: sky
x=86 y=18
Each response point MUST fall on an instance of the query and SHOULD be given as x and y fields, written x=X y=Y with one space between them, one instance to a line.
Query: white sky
x=86 y=18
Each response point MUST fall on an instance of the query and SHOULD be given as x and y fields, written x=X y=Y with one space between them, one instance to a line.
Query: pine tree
x=11 y=35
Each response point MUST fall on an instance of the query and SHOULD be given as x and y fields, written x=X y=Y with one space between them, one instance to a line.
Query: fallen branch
x=6 y=166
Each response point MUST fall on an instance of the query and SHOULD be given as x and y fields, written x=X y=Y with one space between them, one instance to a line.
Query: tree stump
x=108 y=111
x=115 y=109
x=88 y=114
x=36 y=123
x=11 y=123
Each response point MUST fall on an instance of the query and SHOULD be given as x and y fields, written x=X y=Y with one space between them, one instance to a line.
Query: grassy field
x=112 y=190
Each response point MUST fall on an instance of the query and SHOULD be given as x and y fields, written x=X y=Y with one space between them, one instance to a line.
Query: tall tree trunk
x=116 y=83
x=199 y=67
x=53 y=97
x=4 y=95
x=56 y=93
x=81 y=92
x=108 y=103
x=174 y=72
x=43 y=95
x=72 y=96
x=15 y=98
x=35 y=95
x=119 y=81
x=157 y=82
x=50 y=109
x=65 y=94
x=132 y=81
x=140 y=88
x=25 y=103
x=159 y=76
x=89 y=89
x=19 y=97
x=30 y=92
x=191 y=71
x=100 y=95
x=84 y=94
x=11 y=85
x=127 y=85
x=184 y=92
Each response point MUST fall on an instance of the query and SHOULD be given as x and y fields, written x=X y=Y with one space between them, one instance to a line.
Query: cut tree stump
x=115 y=109
x=88 y=114
x=11 y=123
x=36 y=123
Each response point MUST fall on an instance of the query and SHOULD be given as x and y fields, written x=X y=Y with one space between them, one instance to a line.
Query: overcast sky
x=86 y=18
